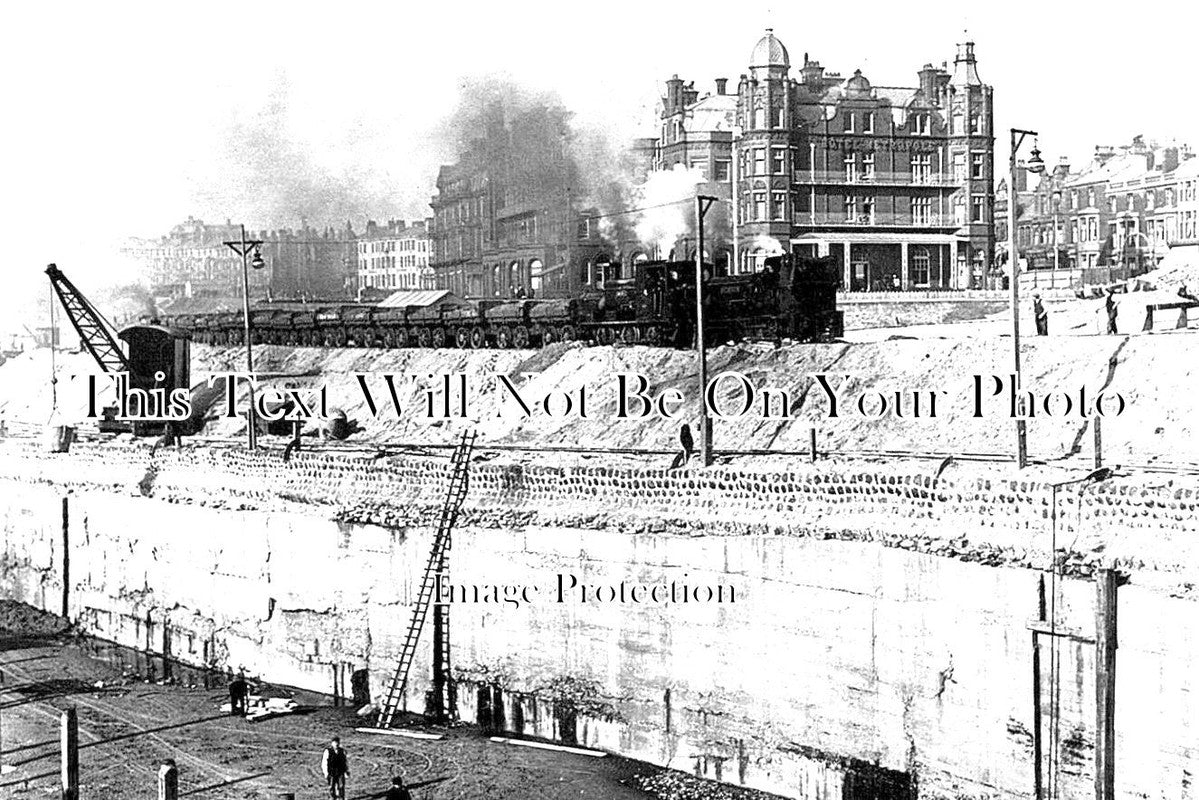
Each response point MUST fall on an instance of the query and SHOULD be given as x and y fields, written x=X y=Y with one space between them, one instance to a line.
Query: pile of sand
x=1154 y=374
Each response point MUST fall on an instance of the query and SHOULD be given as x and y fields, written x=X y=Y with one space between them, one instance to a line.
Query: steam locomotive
x=793 y=297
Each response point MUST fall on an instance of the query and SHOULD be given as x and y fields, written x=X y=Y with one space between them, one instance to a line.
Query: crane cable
x=53 y=362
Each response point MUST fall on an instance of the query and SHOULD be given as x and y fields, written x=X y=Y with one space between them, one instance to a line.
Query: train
x=792 y=297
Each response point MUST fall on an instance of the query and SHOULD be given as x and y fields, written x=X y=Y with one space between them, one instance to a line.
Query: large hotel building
x=895 y=182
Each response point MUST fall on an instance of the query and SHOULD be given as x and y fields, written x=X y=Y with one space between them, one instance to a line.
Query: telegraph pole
x=1035 y=165
x=702 y=204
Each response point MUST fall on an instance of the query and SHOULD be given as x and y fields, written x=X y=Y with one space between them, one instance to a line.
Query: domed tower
x=971 y=151
x=764 y=115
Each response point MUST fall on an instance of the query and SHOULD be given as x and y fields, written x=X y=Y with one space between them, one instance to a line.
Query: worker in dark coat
x=398 y=790
x=1040 y=315
x=336 y=768
x=687 y=443
x=1112 y=310
x=239 y=694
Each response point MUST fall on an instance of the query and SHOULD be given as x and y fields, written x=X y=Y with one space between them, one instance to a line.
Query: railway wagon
x=793 y=297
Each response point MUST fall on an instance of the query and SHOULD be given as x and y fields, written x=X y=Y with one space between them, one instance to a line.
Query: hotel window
x=921 y=210
x=868 y=122
x=922 y=168
x=778 y=160
x=978 y=208
x=978 y=165
x=776 y=117
x=1090 y=198
x=1074 y=199
x=868 y=166
x=778 y=205
x=851 y=207
x=976 y=123
x=851 y=166
x=1111 y=204
x=868 y=210
x=959 y=210
x=1149 y=198
x=959 y=167
x=1092 y=229
x=919 y=273
x=722 y=169
x=1132 y=204
x=759 y=161
x=760 y=205
x=849 y=122
x=920 y=124
x=1170 y=197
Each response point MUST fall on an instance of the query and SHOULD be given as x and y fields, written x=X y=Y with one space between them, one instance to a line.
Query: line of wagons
x=519 y=323
x=791 y=299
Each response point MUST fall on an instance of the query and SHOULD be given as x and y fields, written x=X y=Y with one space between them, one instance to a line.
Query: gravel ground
x=127 y=726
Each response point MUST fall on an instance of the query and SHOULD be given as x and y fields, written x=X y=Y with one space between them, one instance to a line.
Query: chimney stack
x=722 y=85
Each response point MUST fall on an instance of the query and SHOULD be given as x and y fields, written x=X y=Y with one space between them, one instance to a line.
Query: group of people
x=1041 y=316
x=335 y=765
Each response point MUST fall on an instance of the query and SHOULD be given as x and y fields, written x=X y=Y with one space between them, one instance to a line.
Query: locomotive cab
x=154 y=350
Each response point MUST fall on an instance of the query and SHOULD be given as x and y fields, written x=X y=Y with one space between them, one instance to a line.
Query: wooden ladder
x=455 y=494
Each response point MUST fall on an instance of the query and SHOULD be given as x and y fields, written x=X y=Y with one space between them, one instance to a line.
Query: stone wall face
x=879 y=626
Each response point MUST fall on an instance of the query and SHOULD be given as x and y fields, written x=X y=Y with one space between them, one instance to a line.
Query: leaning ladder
x=459 y=478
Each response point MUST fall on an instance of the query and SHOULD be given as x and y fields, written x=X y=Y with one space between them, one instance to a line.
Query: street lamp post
x=1036 y=166
x=243 y=248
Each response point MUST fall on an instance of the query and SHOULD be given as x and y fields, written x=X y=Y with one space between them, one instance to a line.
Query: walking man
x=1112 y=310
x=336 y=768
x=1041 y=315
x=239 y=692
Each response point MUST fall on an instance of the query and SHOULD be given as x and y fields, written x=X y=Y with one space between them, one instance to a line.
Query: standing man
x=239 y=692
x=336 y=768
x=1041 y=315
x=1112 y=310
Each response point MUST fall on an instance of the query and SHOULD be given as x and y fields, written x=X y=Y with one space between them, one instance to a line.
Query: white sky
x=117 y=117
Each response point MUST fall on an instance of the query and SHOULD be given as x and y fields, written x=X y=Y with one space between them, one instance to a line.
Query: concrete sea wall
x=877 y=642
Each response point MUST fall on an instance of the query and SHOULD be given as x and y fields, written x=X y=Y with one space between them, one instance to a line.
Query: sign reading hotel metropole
x=728 y=395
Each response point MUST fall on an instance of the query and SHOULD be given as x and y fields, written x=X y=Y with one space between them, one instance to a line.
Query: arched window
x=535 y=271
x=513 y=278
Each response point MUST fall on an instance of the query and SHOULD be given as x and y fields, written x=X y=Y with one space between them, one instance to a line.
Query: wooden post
x=1037 y=778
x=1096 y=421
x=168 y=780
x=66 y=561
x=1105 y=685
x=69 y=751
x=812 y=443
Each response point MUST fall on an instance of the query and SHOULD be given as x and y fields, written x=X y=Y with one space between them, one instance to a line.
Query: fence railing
x=920 y=295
